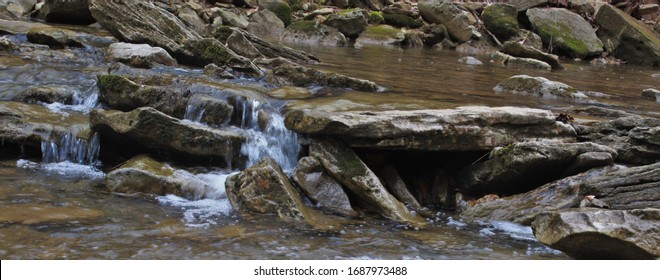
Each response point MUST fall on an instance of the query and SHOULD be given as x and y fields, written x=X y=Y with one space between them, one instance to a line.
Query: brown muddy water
x=57 y=210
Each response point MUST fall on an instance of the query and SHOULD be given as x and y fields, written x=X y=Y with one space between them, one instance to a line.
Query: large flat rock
x=460 y=129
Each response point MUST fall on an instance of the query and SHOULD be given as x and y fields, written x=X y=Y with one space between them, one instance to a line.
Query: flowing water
x=55 y=207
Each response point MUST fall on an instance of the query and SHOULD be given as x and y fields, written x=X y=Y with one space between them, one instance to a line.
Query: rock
x=217 y=71
x=470 y=61
x=521 y=167
x=459 y=22
x=301 y=76
x=7 y=45
x=154 y=129
x=567 y=193
x=139 y=55
x=17 y=27
x=275 y=50
x=471 y=128
x=321 y=188
x=231 y=19
x=47 y=94
x=280 y=8
x=566 y=31
x=209 y=110
x=30 y=125
x=435 y=33
x=291 y=93
x=142 y=22
x=395 y=185
x=345 y=166
x=630 y=40
x=349 y=22
x=55 y=38
x=520 y=50
x=526 y=85
x=636 y=139
x=313 y=33
x=70 y=11
x=524 y=5
x=414 y=39
x=264 y=188
x=123 y=94
x=528 y=38
x=632 y=188
x=501 y=20
x=265 y=24
x=18 y=8
x=146 y=176
x=651 y=94
x=34 y=214
x=380 y=35
x=601 y=234
x=599 y=112
x=240 y=45
x=589 y=160
x=529 y=63
x=192 y=20
x=401 y=20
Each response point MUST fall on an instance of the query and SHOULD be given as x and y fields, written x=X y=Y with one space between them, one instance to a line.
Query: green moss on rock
x=283 y=11
x=400 y=20
x=116 y=83
x=384 y=31
x=501 y=20
x=209 y=51
x=305 y=26
x=375 y=18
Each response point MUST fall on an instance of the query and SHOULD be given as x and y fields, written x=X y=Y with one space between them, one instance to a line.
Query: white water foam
x=82 y=102
x=212 y=206
x=65 y=169
x=514 y=230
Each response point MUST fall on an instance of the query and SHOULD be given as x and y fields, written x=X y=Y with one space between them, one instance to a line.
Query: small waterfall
x=82 y=101
x=275 y=141
x=70 y=148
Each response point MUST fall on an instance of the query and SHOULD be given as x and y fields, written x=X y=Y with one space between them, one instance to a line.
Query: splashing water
x=71 y=148
x=82 y=102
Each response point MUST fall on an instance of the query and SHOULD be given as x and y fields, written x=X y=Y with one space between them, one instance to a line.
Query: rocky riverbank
x=529 y=166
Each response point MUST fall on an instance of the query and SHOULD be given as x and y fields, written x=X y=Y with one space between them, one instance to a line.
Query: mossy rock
x=566 y=32
x=209 y=51
x=400 y=20
x=375 y=18
x=296 y=5
x=116 y=83
x=304 y=26
x=501 y=20
x=381 y=35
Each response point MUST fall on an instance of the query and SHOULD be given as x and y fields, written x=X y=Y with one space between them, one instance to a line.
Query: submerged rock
x=461 y=129
x=265 y=189
x=635 y=183
x=601 y=234
x=55 y=38
x=566 y=31
x=380 y=35
x=139 y=55
x=321 y=188
x=47 y=94
x=344 y=165
x=651 y=94
x=154 y=129
x=527 y=85
x=143 y=175
x=521 y=167
x=34 y=214
x=636 y=139
x=628 y=39
x=530 y=63
x=520 y=50
x=301 y=76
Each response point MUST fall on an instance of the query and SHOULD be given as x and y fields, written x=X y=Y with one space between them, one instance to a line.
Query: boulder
x=154 y=129
x=139 y=55
x=459 y=22
x=209 y=110
x=344 y=165
x=232 y=19
x=566 y=31
x=265 y=189
x=542 y=87
x=32 y=125
x=528 y=38
x=47 y=94
x=301 y=76
x=55 y=38
x=651 y=94
x=70 y=11
x=524 y=5
x=192 y=20
x=380 y=35
x=528 y=63
x=501 y=20
x=401 y=20
x=145 y=176
x=240 y=45
x=435 y=33
x=140 y=22
x=629 y=39
x=311 y=32
x=321 y=188
x=472 y=128
x=636 y=139
x=349 y=22
x=567 y=193
x=280 y=8
x=521 y=167
x=265 y=24
x=124 y=94
x=518 y=49
x=18 y=8
x=601 y=234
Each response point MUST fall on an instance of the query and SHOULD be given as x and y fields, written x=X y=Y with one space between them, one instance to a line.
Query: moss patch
x=305 y=26
x=383 y=31
x=283 y=11
x=501 y=19
x=209 y=51
x=375 y=18
x=117 y=83
x=556 y=35
x=400 y=20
